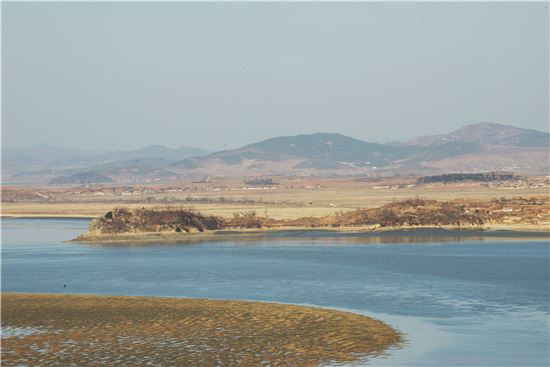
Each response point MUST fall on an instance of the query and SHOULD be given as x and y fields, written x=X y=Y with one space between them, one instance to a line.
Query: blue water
x=459 y=303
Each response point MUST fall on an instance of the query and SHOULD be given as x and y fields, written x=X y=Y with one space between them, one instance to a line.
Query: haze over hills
x=478 y=147
x=153 y=152
x=46 y=153
x=44 y=162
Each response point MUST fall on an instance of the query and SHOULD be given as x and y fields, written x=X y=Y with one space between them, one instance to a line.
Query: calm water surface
x=465 y=303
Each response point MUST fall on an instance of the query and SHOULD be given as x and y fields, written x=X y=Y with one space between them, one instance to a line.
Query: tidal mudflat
x=106 y=330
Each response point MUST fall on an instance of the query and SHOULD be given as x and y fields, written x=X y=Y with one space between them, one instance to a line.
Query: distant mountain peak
x=486 y=133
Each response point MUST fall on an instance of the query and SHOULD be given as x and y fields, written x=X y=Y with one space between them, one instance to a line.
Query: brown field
x=130 y=331
x=292 y=198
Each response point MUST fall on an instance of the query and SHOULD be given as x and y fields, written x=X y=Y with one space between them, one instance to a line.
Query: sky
x=113 y=76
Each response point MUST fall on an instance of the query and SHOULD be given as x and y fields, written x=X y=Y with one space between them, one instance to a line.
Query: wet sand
x=55 y=330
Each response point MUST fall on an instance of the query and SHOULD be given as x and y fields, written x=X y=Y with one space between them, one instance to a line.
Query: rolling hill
x=484 y=146
x=319 y=151
x=477 y=147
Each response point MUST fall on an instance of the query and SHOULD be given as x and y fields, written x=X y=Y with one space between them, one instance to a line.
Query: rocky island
x=178 y=223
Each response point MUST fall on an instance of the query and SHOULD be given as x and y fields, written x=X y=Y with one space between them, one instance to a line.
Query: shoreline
x=47 y=216
x=189 y=331
x=364 y=233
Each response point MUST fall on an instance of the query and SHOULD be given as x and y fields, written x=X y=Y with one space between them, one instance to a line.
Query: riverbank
x=363 y=234
x=141 y=330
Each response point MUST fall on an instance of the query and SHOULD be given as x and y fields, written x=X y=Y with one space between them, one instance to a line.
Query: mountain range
x=477 y=147
x=43 y=162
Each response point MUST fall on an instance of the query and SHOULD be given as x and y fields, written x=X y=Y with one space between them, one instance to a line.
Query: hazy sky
x=221 y=75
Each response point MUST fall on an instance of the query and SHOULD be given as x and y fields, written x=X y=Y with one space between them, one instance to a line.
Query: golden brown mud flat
x=131 y=331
